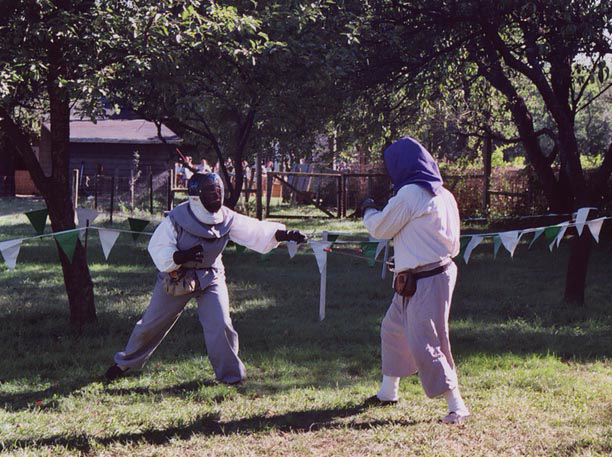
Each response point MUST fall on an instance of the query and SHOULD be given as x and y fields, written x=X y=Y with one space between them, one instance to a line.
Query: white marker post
x=323 y=290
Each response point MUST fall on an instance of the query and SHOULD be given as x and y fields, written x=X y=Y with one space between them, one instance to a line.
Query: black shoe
x=375 y=401
x=114 y=372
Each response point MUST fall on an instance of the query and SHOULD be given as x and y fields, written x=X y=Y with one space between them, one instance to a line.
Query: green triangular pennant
x=239 y=248
x=67 y=242
x=536 y=235
x=369 y=250
x=331 y=238
x=137 y=225
x=463 y=242
x=38 y=219
x=551 y=232
x=496 y=244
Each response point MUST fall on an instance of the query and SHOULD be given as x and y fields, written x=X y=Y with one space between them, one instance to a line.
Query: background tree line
x=464 y=77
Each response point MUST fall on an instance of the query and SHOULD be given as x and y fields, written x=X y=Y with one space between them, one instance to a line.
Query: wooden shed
x=108 y=146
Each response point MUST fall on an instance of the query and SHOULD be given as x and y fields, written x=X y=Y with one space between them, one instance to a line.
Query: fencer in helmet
x=187 y=249
x=206 y=197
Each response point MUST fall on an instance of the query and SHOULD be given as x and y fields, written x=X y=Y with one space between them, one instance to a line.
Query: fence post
x=151 y=190
x=258 y=193
x=96 y=191
x=339 y=196
x=170 y=178
x=269 y=192
x=323 y=289
x=345 y=179
x=112 y=197
x=488 y=152
x=75 y=187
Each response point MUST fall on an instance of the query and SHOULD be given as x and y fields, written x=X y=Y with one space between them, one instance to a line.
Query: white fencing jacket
x=424 y=228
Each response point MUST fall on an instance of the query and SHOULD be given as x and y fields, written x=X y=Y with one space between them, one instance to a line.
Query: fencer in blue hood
x=408 y=162
x=423 y=221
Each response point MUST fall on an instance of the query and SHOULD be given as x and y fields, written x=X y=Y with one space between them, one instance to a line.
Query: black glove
x=193 y=254
x=291 y=235
x=367 y=203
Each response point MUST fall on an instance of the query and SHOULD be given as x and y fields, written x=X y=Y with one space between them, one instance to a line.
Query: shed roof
x=132 y=131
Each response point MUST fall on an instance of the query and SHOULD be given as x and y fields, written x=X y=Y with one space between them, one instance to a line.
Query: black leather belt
x=428 y=273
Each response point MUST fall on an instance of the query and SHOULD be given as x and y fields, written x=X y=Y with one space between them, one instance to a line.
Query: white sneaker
x=455 y=418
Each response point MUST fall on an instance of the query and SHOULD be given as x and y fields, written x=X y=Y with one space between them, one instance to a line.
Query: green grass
x=536 y=374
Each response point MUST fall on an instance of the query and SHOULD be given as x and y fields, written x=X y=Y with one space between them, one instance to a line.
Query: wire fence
x=508 y=192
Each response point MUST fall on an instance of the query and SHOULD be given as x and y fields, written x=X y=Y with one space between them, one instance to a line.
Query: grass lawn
x=537 y=375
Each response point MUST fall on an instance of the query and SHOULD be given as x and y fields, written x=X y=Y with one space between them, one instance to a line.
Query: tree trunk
x=575 y=280
x=77 y=279
x=79 y=286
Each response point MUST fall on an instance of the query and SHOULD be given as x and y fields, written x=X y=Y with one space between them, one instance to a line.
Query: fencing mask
x=206 y=197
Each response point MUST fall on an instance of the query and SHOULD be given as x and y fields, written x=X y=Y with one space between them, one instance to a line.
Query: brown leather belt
x=435 y=271
x=405 y=283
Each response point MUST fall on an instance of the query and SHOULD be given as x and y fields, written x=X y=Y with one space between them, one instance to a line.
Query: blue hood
x=408 y=162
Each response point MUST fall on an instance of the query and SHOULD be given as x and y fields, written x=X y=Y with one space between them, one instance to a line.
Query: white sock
x=389 y=389
x=455 y=402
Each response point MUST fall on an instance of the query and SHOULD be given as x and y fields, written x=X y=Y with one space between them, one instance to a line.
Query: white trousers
x=414 y=333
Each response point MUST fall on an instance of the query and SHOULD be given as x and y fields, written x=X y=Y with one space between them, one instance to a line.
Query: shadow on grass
x=210 y=425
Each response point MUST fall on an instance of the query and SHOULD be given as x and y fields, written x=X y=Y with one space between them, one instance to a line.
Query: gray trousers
x=162 y=313
x=414 y=333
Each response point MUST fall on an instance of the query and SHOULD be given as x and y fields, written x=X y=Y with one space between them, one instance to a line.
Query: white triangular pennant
x=561 y=233
x=84 y=215
x=318 y=248
x=380 y=247
x=510 y=240
x=595 y=227
x=10 y=251
x=474 y=241
x=292 y=247
x=581 y=218
x=107 y=240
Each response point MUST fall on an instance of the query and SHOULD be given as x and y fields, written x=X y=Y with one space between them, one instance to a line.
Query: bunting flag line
x=137 y=226
x=10 y=251
x=108 y=238
x=38 y=219
x=67 y=241
x=369 y=249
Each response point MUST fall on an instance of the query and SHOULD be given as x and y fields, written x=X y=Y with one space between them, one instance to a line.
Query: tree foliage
x=552 y=50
